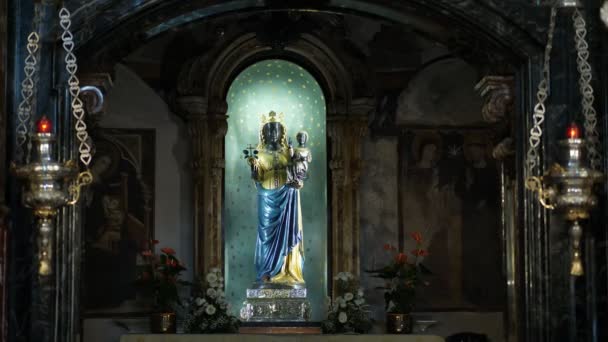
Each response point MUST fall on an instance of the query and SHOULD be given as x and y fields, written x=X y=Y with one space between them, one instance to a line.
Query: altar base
x=276 y=305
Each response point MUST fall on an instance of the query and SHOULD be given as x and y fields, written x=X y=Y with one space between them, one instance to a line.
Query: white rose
x=210 y=310
x=214 y=270
x=220 y=293
x=223 y=305
x=342 y=318
x=200 y=301
x=211 y=278
x=360 y=292
x=359 y=301
x=348 y=296
x=211 y=293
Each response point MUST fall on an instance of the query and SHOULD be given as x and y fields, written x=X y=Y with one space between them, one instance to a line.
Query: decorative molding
x=94 y=88
x=498 y=95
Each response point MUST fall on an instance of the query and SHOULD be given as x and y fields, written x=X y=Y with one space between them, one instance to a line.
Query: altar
x=272 y=338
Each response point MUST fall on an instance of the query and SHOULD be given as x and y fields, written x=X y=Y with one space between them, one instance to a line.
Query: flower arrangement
x=348 y=312
x=402 y=277
x=158 y=277
x=208 y=309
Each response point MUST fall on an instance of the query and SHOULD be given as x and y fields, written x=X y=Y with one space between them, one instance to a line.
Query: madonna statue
x=278 y=174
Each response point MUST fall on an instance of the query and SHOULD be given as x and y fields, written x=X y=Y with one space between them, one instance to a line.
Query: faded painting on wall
x=119 y=219
x=449 y=191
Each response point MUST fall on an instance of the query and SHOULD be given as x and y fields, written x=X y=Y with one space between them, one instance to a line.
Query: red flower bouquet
x=158 y=277
x=403 y=275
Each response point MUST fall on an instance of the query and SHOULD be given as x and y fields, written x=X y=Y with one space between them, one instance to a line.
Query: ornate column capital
x=191 y=107
x=498 y=95
x=362 y=106
x=95 y=87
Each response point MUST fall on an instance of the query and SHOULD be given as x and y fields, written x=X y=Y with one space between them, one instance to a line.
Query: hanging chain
x=584 y=82
x=74 y=85
x=27 y=93
x=536 y=132
x=84 y=147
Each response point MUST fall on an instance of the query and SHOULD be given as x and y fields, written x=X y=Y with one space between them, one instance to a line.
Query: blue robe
x=278 y=228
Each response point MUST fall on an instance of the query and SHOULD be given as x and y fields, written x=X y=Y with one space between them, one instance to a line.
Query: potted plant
x=348 y=313
x=158 y=278
x=207 y=308
x=402 y=276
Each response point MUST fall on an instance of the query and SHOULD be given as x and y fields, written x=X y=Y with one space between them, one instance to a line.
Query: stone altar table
x=279 y=338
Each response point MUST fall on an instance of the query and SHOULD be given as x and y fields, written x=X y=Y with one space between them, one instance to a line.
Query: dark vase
x=163 y=323
x=397 y=323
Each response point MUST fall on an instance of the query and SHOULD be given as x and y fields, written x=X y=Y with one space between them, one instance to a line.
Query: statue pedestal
x=276 y=305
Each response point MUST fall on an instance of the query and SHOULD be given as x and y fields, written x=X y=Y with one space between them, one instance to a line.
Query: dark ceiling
x=513 y=25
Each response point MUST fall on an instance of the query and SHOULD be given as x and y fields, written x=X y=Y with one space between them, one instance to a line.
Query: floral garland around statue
x=348 y=313
x=207 y=309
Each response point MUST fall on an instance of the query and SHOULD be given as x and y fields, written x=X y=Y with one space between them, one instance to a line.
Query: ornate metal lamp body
x=568 y=187
x=50 y=184
x=568 y=184
x=46 y=190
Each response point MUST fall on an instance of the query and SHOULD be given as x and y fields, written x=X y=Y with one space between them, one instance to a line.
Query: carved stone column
x=207 y=128
x=499 y=98
x=346 y=136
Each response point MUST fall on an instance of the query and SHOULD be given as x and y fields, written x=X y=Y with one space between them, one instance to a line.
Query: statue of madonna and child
x=279 y=170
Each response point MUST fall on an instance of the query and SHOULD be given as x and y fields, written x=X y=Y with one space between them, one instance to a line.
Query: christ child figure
x=300 y=158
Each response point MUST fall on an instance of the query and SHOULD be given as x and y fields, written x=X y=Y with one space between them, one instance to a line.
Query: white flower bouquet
x=348 y=313
x=207 y=309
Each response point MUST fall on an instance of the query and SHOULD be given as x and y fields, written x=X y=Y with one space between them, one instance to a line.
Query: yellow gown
x=272 y=174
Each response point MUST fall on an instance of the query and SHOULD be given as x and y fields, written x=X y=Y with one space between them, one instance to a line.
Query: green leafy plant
x=348 y=312
x=158 y=277
x=207 y=309
x=402 y=276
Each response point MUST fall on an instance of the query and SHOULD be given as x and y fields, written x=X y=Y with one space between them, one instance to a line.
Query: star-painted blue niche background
x=283 y=87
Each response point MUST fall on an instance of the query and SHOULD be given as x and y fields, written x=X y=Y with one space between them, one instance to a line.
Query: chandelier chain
x=78 y=111
x=24 y=111
x=538 y=117
x=584 y=69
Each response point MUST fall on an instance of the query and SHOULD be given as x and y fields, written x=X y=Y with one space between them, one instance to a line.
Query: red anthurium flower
x=167 y=250
x=417 y=237
x=147 y=253
x=154 y=242
x=401 y=258
x=387 y=247
x=420 y=252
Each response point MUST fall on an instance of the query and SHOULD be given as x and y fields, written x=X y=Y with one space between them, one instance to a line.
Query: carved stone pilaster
x=346 y=135
x=207 y=127
x=498 y=95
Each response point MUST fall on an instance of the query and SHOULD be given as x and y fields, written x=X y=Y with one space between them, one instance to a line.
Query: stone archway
x=200 y=100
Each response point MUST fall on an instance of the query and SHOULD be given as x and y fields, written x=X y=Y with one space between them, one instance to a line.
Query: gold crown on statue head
x=272 y=117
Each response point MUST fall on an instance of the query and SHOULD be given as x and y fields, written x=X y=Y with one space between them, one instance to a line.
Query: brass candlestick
x=46 y=190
